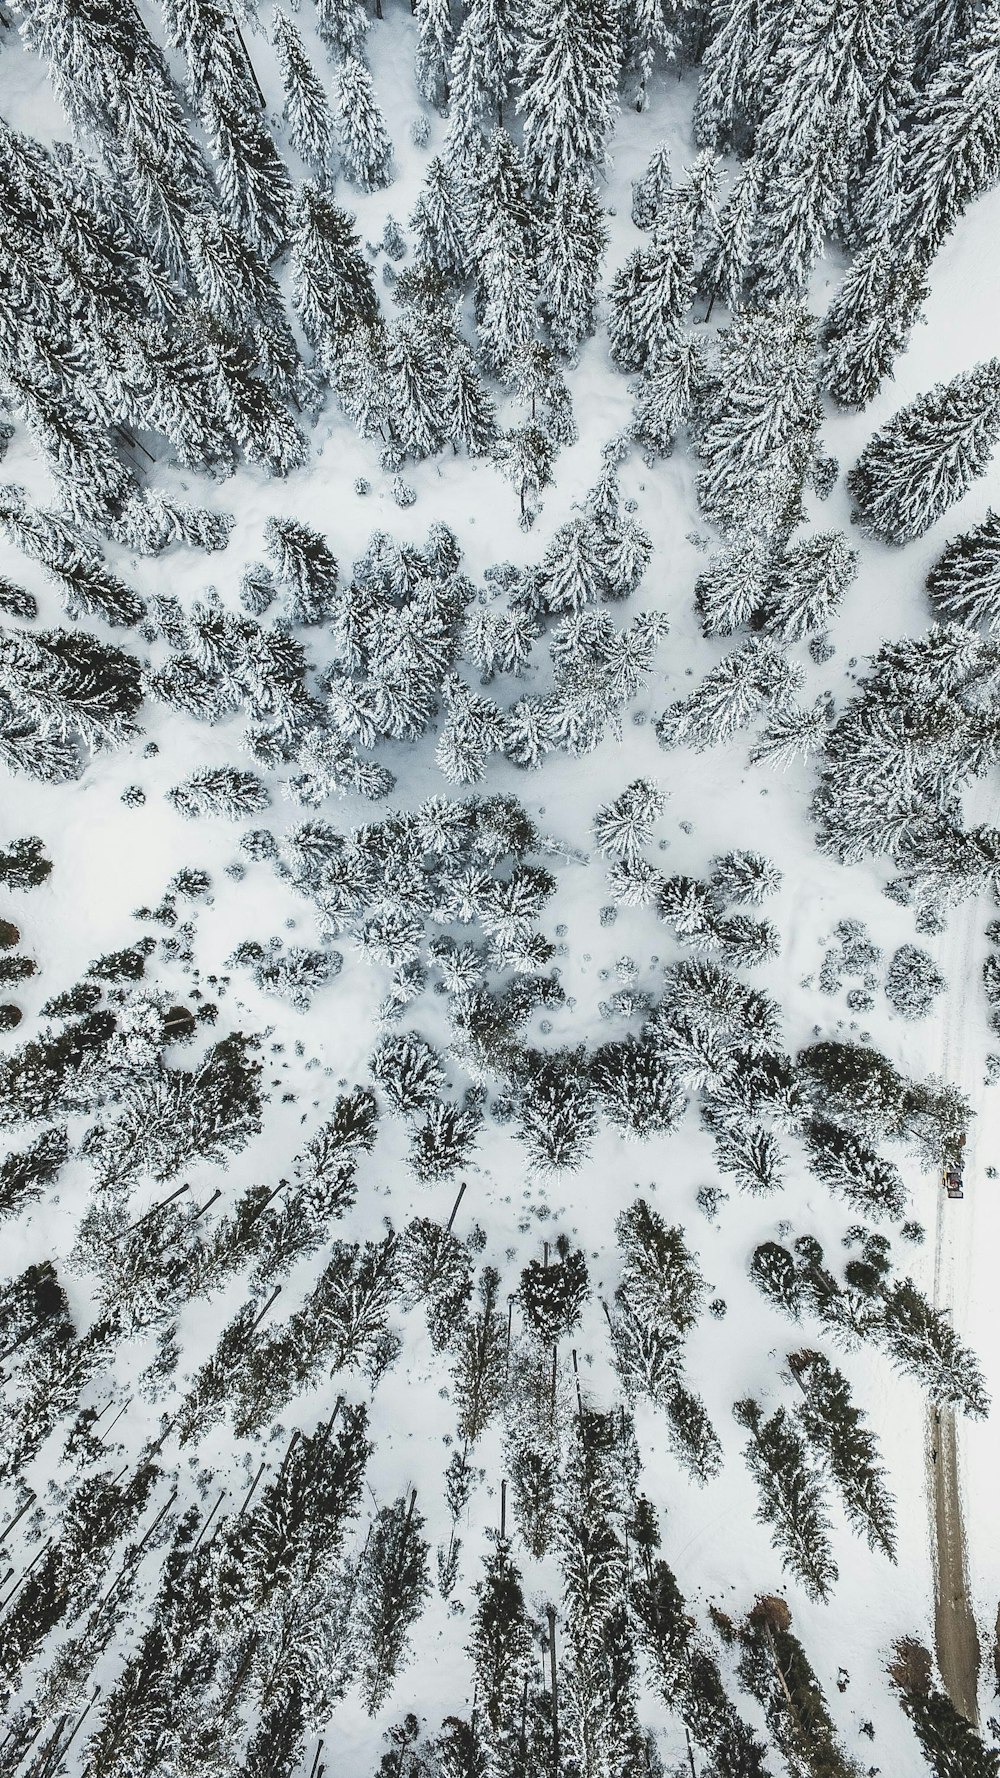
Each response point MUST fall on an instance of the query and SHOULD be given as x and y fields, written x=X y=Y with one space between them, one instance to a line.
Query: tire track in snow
x=956 y=1638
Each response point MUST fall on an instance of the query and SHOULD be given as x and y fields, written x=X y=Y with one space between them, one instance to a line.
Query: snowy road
x=956 y=1637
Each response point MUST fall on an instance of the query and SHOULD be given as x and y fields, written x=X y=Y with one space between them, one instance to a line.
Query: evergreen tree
x=791 y=1498
x=758 y=421
x=921 y=1340
x=952 y=143
x=413 y=376
x=306 y=567
x=652 y=195
x=649 y=33
x=747 y=681
x=836 y=1430
x=667 y=394
x=848 y=1165
x=727 y=266
x=929 y=454
x=332 y=289
x=774 y=1668
x=392 y=1586
x=556 y=1117
x=964 y=583
x=439 y=223
x=731 y=593
x=807 y=584
x=651 y=295
x=950 y=1744
x=624 y=826
x=307 y=111
x=527 y=455
x=467 y=412
x=482 y=66
x=364 y=142
x=220 y=790
x=434 y=46
x=480 y=1361
x=573 y=239
x=552 y=1294
x=502 y=1649
x=253 y=182
x=569 y=63
x=342 y=25
x=869 y=321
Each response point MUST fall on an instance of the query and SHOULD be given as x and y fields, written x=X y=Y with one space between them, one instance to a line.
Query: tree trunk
x=550 y=1612
x=454 y=1208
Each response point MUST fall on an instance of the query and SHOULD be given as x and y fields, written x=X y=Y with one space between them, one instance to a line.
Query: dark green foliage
x=556 y=1115
x=930 y=453
x=23 y=865
x=480 y=1364
x=921 y=1340
x=23 y=1176
x=849 y=1166
x=791 y=1498
x=964 y=583
x=775 y=1669
x=686 y=1673
x=950 y=1744
x=55 y=1072
x=436 y=1269
x=836 y=1429
x=392 y=1586
x=553 y=1293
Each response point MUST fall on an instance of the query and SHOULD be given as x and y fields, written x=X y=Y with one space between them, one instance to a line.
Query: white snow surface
x=108 y=859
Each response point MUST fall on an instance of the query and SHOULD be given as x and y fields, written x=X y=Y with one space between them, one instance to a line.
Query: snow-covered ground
x=110 y=859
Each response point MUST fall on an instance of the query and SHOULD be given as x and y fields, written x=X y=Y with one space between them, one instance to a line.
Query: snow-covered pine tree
x=556 y=1116
x=253 y=181
x=807 y=584
x=870 y=320
x=569 y=64
x=393 y=1582
x=623 y=826
x=414 y=375
x=365 y=146
x=652 y=294
x=332 y=289
x=737 y=68
x=439 y=223
x=732 y=592
x=836 y=1429
x=749 y=680
x=652 y=194
x=502 y=1649
x=792 y=1498
x=921 y=1341
x=964 y=583
x=307 y=109
x=435 y=42
x=952 y=141
x=220 y=790
x=343 y=26
x=553 y=1291
x=649 y=34
x=527 y=456
x=304 y=564
x=480 y=1360
x=726 y=268
x=758 y=421
x=572 y=240
x=928 y=456
x=467 y=411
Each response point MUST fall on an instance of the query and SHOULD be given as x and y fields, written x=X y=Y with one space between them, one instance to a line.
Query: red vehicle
x=953 y=1181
